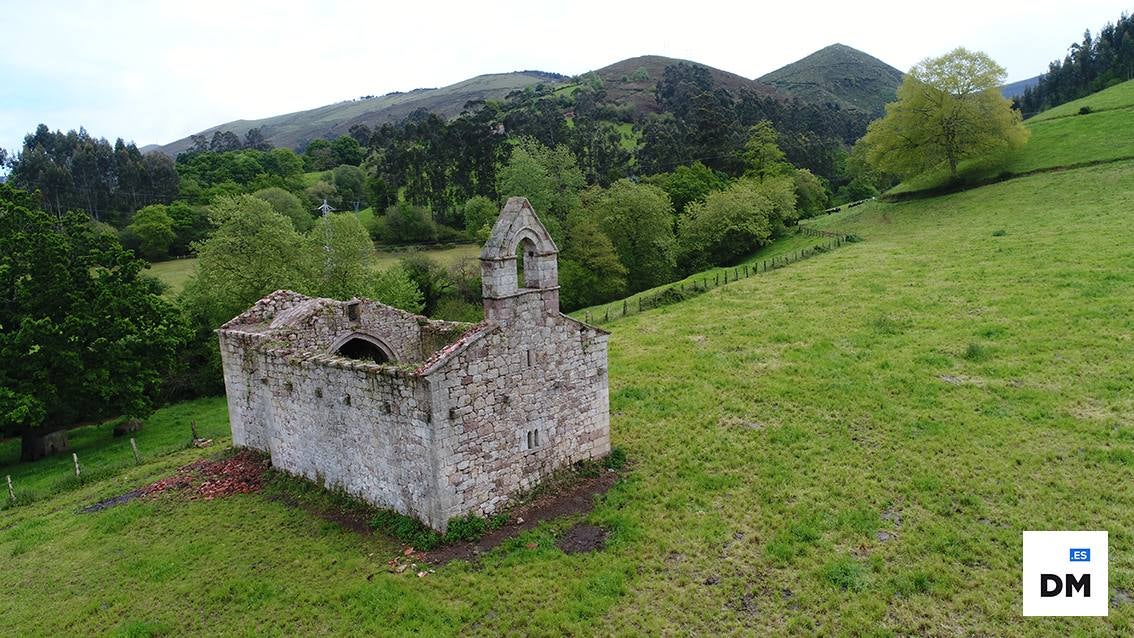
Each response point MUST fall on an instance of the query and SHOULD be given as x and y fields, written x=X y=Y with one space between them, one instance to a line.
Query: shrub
x=405 y=529
x=406 y=223
x=615 y=460
x=976 y=352
x=999 y=233
x=1084 y=110
x=666 y=297
x=465 y=528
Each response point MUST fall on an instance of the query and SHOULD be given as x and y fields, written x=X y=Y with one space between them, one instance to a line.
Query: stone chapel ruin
x=433 y=419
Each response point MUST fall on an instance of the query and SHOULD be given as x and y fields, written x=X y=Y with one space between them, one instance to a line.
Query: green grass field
x=850 y=445
x=1116 y=97
x=176 y=272
x=1060 y=138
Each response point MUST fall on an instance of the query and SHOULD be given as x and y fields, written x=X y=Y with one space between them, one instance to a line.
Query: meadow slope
x=1060 y=139
x=850 y=445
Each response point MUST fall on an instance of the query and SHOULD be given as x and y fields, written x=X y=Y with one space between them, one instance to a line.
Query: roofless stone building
x=432 y=419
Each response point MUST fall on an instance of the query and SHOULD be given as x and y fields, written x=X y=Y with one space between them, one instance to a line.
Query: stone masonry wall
x=360 y=426
x=539 y=372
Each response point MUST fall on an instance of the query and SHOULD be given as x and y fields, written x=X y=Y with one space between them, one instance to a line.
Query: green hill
x=1060 y=138
x=632 y=81
x=850 y=445
x=294 y=130
x=840 y=75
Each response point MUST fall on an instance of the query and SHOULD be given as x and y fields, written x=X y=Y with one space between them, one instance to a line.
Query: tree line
x=1097 y=62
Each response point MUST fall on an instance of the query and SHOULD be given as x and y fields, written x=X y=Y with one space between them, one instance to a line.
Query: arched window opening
x=363 y=350
x=525 y=264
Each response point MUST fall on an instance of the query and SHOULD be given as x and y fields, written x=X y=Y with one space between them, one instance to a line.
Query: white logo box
x=1065 y=565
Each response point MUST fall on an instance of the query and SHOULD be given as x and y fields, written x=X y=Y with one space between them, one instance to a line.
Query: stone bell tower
x=519 y=266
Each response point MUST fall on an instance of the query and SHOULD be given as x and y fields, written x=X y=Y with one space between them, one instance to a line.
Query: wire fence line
x=686 y=289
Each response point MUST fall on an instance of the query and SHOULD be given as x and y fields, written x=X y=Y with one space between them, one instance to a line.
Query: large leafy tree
x=638 y=219
x=589 y=269
x=84 y=334
x=151 y=232
x=548 y=177
x=253 y=251
x=345 y=265
x=762 y=154
x=949 y=109
x=688 y=184
x=732 y=223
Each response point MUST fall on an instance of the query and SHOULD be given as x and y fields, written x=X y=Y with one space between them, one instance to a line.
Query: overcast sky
x=155 y=72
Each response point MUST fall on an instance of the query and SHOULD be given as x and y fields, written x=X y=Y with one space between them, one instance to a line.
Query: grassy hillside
x=1120 y=96
x=293 y=130
x=851 y=445
x=779 y=249
x=840 y=75
x=1060 y=138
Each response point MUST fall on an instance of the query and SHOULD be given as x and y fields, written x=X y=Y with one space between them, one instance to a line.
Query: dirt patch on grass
x=582 y=538
x=240 y=473
x=578 y=498
x=356 y=520
x=112 y=501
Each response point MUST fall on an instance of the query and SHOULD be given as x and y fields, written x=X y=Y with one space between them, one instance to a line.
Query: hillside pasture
x=1056 y=143
x=851 y=445
x=1119 y=96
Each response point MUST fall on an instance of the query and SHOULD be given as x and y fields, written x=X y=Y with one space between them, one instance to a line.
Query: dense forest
x=1099 y=61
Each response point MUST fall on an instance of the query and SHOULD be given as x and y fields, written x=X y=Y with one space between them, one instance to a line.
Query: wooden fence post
x=607 y=317
x=78 y=472
x=623 y=307
x=134 y=446
x=11 y=492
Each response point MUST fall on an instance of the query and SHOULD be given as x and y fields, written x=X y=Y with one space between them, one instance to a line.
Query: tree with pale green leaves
x=480 y=214
x=549 y=177
x=949 y=109
x=150 y=233
x=394 y=287
x=762 y=154
x=288 y=205
x=638 y=219
x=342 y=257
x=253 y=251
x=733 y=223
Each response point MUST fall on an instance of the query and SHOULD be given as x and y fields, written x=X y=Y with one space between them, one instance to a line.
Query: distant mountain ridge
x=838 y=74
x=1016 y=89
x=295 y=130
x=841 y=75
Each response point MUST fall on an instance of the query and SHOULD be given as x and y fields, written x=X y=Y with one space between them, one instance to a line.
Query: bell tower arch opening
x=518 y=258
